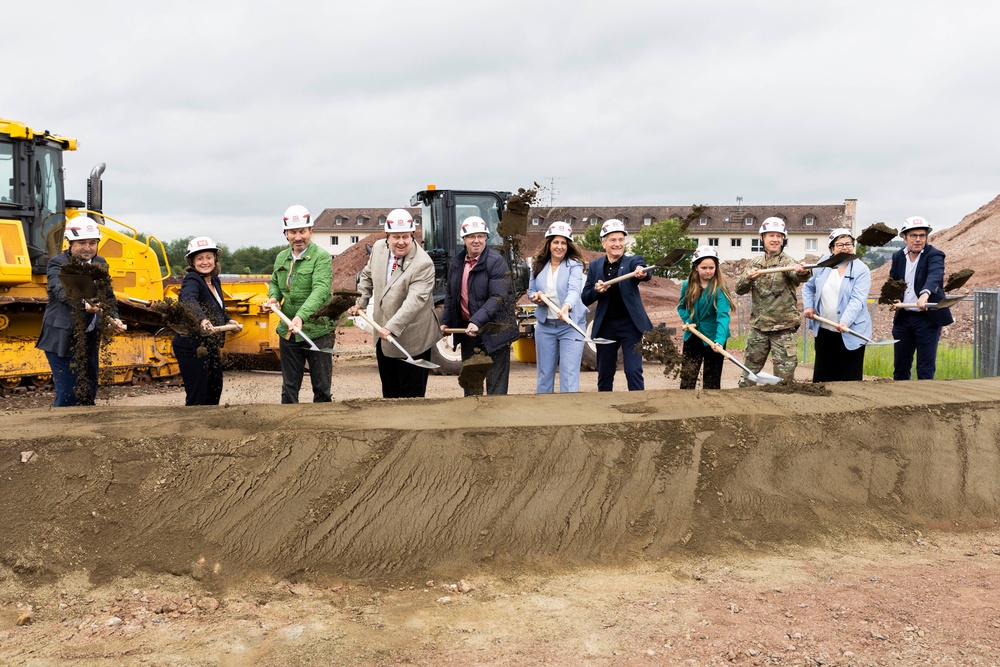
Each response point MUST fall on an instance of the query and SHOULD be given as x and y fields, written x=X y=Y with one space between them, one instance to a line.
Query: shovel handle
x=453 y=330
x=548 y=302
x=693 y=329
x=837 y=326
x=621 y=279
x=376 y=326
x=284 y=318
x=781 y=269
x=225 y=327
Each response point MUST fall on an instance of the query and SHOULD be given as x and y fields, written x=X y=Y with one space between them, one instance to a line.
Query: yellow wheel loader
x=33 y=214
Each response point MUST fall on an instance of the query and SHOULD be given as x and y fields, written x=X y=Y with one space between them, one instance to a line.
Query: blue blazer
x=929 y=276
x=569 y=284
x=196 y=296
x=57 y=322
x=629 y=290
x=852 y=304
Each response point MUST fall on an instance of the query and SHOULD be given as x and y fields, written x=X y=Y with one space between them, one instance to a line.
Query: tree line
x=244 y=261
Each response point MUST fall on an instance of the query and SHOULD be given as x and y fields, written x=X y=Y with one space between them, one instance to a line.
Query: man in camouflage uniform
x=774 y=318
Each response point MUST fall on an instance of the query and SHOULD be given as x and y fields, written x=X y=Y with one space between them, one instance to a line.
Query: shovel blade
x=764 y=378
x=78 y=285
x=422 y=363
x=884 y=341
x=835 y=260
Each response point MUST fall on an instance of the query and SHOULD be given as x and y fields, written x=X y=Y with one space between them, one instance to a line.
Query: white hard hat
x=296 y=217
x=559 y=228
x=473 y=225
x=773 y=225
x=200 y=244
x=82 y=228
x=611 y=226
x=914 y=222
x=703 y=252
x=838 y=232
x=399 y=220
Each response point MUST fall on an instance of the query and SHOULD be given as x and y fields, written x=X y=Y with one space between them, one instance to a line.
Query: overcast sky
x=214 y=117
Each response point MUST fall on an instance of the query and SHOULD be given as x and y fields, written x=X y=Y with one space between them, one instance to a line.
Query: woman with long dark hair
x=558 y=274
x=705 y=302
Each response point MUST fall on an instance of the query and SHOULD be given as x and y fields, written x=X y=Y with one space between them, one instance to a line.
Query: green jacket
x=772 y=306
x=312 y=281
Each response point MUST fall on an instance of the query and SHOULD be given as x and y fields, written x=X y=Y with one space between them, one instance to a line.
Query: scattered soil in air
x=892 y=291
x=338 y=304
x=177 y=315
x=786 y=387
x=658 y=345
x=473 y=376
x=877 y=235
x=95 y=283
x=958 y=279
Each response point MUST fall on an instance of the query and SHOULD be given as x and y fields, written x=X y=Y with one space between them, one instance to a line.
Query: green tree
x=658 y=239
x=591 y=239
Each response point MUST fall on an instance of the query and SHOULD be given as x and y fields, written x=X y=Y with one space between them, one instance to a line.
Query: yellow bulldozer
x=33 y=214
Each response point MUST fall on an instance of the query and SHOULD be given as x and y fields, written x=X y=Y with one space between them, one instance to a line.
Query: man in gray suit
x=399 y=280
x=58 y=338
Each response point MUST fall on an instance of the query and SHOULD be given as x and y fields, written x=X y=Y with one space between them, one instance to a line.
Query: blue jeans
x=64 y=377
x=626 y=336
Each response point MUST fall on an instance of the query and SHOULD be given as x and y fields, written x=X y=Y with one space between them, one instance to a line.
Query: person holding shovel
x=557 y=279
x=918 y=329
x=839 y=294
x=301 y=285
x=72 y=326
x=479 y=292
x=399 y=280
x=199 y=353
x=774 y=318
x=705 y=302
x=620 y=315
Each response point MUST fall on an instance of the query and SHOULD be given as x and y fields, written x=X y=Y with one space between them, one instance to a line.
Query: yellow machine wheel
x=41 y=380
x=10 y=383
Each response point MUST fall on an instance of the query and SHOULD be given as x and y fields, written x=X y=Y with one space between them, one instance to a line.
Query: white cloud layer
x=213 y=117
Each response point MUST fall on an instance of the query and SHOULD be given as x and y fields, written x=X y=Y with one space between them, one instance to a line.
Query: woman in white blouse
x=558 y=273
x=839 y=294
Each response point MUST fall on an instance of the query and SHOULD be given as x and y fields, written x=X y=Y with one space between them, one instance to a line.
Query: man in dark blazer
x=479 y=292
x=921 y=265
x=58 y=336
x=620 y=314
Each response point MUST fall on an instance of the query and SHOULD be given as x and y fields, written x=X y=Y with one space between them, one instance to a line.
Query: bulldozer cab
x=444 y=211
x=31 y=188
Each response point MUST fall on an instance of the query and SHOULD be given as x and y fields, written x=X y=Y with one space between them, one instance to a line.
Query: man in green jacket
x=301 y=285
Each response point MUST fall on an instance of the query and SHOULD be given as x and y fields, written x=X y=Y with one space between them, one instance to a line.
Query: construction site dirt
x=656 y=527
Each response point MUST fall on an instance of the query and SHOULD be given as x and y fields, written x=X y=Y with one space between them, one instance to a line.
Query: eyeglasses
x=844 y=245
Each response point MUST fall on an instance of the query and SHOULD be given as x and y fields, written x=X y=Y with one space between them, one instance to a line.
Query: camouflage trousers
x=781 y=345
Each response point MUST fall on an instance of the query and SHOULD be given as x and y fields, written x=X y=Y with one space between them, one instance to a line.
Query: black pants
x=695 y=352
x=834 y=362
x=293 y=365
x=626 y=336
x=915 y=333
x=498 y=377
x=202 y=375
x=401 y=379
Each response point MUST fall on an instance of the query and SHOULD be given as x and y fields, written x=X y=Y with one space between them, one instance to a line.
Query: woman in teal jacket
x=705 y=302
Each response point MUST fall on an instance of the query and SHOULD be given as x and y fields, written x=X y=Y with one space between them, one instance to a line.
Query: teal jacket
x=711 y=319
x=312 y=281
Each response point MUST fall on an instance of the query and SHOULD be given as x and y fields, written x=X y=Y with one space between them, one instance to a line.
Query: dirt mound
x=373 y=487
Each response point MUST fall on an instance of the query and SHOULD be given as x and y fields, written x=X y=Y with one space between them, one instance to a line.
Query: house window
x=339 y=221
x=703 y=221
x=714 y=242
x=381 y=221
x=334 y=240
x=748 y=220
x=536 y=221
x=810 y=245
x=756 y=245
x=810 y=221
x=647 y=221
x=355 y=239
x=361 y=219
x=416 y=220
x=735 y=243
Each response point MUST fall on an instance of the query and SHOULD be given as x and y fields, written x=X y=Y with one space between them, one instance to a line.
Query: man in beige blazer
x=399 y=280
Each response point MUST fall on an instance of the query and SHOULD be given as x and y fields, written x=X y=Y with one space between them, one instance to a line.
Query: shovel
x=423 y=363
x=312 y=345
x=759 y=377
x=946 y=302
x=868 y=341
x=586 y=338
x=673 y=258
x=830 y=261
x=485 y=330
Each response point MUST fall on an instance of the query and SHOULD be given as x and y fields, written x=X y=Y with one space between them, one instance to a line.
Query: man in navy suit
x=620 y=314
x=921 y=265
x=58 y=336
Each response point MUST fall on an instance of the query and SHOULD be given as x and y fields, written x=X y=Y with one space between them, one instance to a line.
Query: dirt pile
x=374 y=487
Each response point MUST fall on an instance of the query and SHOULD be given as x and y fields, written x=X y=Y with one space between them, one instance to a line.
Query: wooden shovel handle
x=226 y=327
x=837 y=325
x=693 y=329
x=453 y=330
x=374 y=325
x=621 y=279
x=777 y=269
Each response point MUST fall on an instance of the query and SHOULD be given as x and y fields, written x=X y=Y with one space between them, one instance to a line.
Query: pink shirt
x=463 y=299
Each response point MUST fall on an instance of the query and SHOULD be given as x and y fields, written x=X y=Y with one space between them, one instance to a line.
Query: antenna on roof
x=552 y=190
